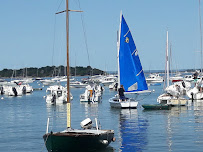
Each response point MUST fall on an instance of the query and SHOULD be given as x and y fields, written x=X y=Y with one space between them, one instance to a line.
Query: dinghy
x=130 y=72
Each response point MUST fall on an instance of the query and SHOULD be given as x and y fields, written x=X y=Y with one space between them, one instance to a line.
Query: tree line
x=50 y=71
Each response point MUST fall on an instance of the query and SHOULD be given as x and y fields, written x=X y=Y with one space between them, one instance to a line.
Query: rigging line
x=144 y=96
x=54 y=40
x=200 y=33
x=55 y=33
x=84 y=32
x=59 y=5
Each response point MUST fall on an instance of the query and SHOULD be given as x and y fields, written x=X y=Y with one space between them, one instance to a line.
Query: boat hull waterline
x=129 y=103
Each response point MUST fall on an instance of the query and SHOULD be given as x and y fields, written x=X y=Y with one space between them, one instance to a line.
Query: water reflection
x=133 y=131
x=91 y=109
x=198 y=120
x=57 y=116
x=172 y=119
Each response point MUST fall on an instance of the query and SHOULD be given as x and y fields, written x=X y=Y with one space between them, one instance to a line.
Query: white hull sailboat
x=117 y=103
x=172 y=95
x=130 y=72
x=196 y=93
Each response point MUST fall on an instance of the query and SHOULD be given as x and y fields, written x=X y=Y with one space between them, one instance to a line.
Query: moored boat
x=85 y=139
x=78 y=140
x=156 y=106
x=130 y=72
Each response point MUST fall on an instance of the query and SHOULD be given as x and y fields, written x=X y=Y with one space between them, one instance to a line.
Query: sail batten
x=130 y=69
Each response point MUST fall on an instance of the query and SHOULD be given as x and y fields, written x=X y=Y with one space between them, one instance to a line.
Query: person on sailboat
x=121 y=91
x=195 y=76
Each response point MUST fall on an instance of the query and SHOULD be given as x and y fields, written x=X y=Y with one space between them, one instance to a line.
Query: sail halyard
x=167 y=59
x=131 y=73
x=68 y=72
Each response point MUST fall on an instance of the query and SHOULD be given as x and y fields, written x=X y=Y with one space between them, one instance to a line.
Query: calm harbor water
x=23 y=123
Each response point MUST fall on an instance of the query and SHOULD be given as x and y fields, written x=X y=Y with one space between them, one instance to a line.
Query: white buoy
x=2 y=98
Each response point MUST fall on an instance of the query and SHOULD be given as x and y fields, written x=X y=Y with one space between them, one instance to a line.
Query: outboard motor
x=53 y=100
x=86 y=124
x=15 y=91
x=1 y=90
x=24 y=90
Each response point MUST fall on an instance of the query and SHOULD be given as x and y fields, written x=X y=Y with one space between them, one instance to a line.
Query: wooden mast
x=68 y=72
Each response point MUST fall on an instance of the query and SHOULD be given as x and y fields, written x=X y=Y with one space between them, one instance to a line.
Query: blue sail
x=131 y=72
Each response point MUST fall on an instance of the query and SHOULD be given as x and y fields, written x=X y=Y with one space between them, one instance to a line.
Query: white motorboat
x=77 y=84
x=176 y=78
x=107 y=80
x=26 y=88
x=56 y=94
x=47 y=81
x=92 y=94
x=12 y=89
x=154 y=78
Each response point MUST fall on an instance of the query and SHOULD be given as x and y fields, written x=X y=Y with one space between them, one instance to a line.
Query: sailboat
x=171 y=96
x=196 y=93
x=85 y=139
x=130 y=72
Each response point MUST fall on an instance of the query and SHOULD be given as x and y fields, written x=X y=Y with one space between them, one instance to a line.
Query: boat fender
x=113 y=139
x=104 y=141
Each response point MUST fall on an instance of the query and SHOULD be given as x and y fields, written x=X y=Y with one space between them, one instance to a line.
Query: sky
x=31 y=35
